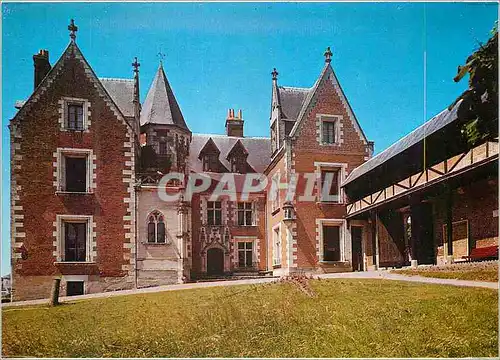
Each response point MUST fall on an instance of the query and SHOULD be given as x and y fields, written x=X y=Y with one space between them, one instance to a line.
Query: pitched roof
x=259 y=150
x=325 y=76
x=122 y=93
x=439 y=121
x=237 y=146
x=72 y=50
x=160 y=106
x=292 y=100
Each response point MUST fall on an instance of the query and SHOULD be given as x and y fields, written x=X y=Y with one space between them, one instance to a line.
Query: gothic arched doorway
x=215 y=261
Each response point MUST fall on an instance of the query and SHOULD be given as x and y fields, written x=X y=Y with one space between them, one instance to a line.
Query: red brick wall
x=257 y=231
x=275 y=217
x=476 y=203
x=41 y=136
x=306 y=149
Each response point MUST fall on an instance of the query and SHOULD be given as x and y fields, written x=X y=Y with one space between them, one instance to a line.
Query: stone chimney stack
x=234 y=124
x=42 y=66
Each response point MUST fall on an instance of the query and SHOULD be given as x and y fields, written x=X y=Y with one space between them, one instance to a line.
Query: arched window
x=156 y=228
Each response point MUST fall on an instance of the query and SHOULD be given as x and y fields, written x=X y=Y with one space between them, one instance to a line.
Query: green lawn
x=480 y=273
x=346 y=318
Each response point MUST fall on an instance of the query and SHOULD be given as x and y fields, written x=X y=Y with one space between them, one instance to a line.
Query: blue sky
x=220 y=56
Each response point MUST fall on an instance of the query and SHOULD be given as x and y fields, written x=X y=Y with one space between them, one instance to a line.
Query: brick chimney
x=42 y=66
x=234 y=124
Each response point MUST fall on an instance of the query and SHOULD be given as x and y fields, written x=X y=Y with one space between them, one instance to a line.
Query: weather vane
x=161 y=56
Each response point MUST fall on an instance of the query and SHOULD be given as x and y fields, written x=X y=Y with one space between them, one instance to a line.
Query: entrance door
x=357 y=254
x=215 y=261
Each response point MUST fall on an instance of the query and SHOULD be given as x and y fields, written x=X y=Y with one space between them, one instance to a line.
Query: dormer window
x=237 y=157
x=238 y=164
x=209 y=156
x=210 y=162
x=75 y=116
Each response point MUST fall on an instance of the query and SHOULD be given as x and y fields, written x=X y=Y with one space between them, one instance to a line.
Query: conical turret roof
x=160 y=106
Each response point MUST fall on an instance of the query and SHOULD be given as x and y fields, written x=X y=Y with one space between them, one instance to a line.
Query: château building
x=89 y=161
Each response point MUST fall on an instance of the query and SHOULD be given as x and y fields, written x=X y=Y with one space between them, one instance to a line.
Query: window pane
x=151 y=232
x=71 y=117
x=79 y=118
x=75 y=241
x=328 y=132
x=330 y=177
x=218 y=217
x=241 y=205
x=161 y=232
x=241 y=258
x=241 y=218
x=217 y=204
x=248 y=217
x=248 y=258
x=210 y=217
x=241 y=245
x=334 y=188
x=249 y=245
x=248 y=205
x=74 y=288
x=331 y=243
x=76 y=174
x=75 y=116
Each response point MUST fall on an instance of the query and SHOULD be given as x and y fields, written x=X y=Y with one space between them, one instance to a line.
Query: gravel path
x=386 y=275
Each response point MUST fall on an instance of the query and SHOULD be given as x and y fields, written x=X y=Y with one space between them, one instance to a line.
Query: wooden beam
x=428 y=184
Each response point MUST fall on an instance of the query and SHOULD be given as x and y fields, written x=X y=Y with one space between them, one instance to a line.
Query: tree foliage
x=479 y=109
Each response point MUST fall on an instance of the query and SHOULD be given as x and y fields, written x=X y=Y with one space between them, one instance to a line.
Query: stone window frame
x=76 y=278
x=63 y=113
x=338 y=133
x=156 y=214
x=214 y=209
x=342 y=224
x=90 y=245
x=60 y=169
x=255 y=252
x=342 y=168
x=252 y=209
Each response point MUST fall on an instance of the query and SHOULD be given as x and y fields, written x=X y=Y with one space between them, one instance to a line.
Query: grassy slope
x=486 y=274
x=348 y=318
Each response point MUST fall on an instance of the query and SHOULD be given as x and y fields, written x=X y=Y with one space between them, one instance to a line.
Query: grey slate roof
x=439 y=121
x=122 y=93
x=259 y=150
x=292 y=99
x=160 y=106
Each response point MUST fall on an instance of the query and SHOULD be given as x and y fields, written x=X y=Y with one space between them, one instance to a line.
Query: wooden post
x=449 y=220
x=377 y=254
x=374 y=228
x=54 y=294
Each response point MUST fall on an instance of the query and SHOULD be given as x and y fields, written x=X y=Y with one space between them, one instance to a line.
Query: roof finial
x=136 y=65
x=161 y=56
x=275 y=74
x=73 y=29
x=328 y=55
